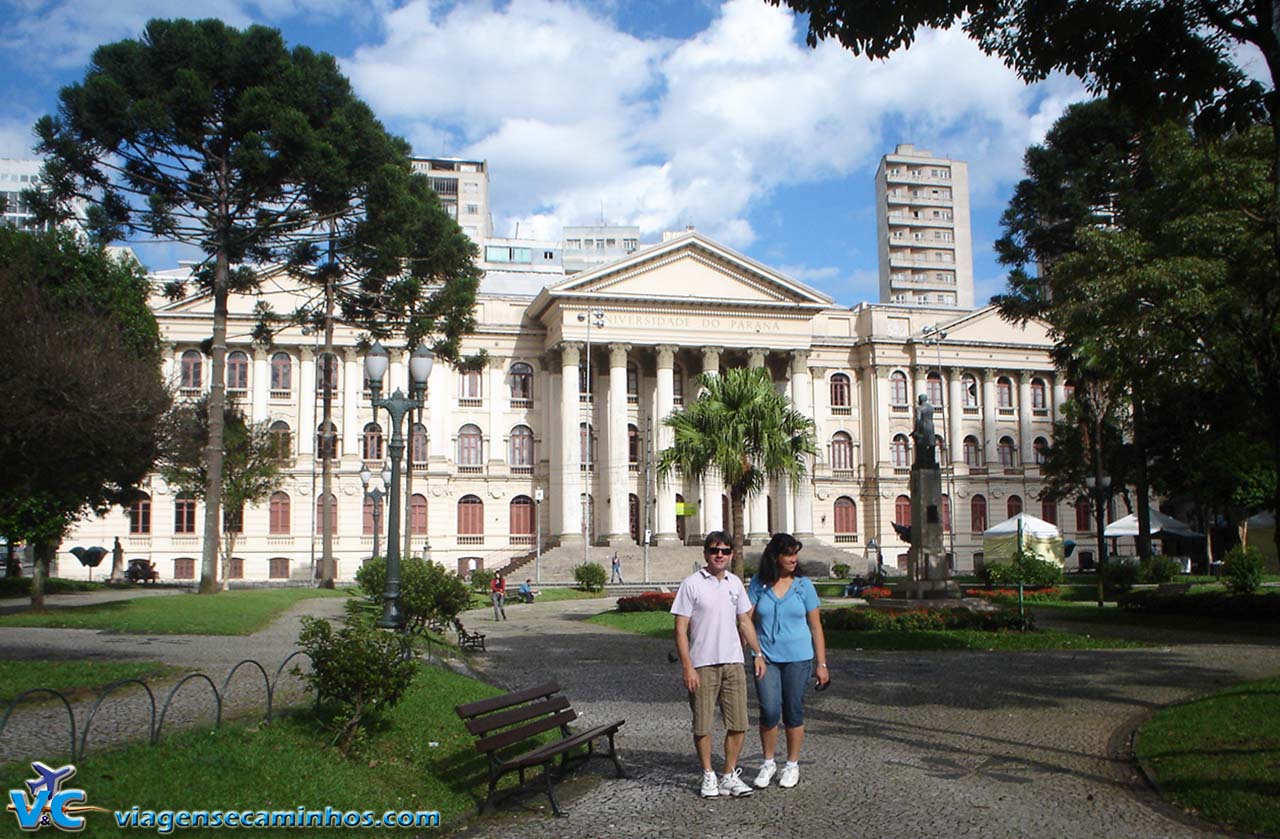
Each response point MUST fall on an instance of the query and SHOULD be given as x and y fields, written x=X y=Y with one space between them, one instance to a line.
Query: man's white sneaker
x=765 y=775
x=790 y=776
x=733 y=785
x=710 y=785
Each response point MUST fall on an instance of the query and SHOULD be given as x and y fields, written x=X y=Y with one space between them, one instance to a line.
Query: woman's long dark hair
x=781 y=543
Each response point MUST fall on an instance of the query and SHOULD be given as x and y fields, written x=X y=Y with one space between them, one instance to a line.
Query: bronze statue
x=923 y=435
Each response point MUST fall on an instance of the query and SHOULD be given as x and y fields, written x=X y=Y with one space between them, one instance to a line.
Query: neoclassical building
x=553 y=440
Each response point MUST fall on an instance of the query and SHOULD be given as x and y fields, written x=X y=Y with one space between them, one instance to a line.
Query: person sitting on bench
x=528 y=592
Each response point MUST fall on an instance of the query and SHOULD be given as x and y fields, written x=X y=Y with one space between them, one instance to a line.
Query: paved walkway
x=42 y=730
x=901 y=745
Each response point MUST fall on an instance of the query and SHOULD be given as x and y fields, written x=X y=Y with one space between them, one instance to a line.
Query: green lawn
x=228 y=613
x=421 y=759
x=1093 y=620
x=662 y=625
x=70 y=677
x=1218 y=756
x=21 y=586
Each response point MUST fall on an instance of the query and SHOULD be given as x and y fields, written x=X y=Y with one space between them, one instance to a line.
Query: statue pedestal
x=929 y=575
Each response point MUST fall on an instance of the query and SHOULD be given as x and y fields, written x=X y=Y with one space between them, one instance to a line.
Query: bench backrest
x=501 y=721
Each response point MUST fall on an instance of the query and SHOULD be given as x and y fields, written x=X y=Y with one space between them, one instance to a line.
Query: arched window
x=471 y=386
x=320 y=512
x=372 y=514
x=418 y=444
x=521 y=455
x=846 y=516
x=371 y=444
x=586 y=445
x=278 y=514
x=140 y=514
x=841 y=451
x=902 y=511
x=972 y=451
x=978 y=515
x=1084 y=520
x=521 y=384
x=1004 y=392
x=184 y=514
x=841 y=396
x=192 y=370
x=327 y=373
x=1015 y=505
x=470 y=446
x=522 y=516
x=933 y=384
x=677 y=384
x=633 y=447
x=281 y=440
x=418 y=514
x=1049 y=511
x=1040 y=447
x=1005 y=450
x=969 y=390
x=281 y=375
x=1039 y=402
x=335 y=441
x=470 y=516
x=898 y=390
x=633 y=384
x=899 y=449
x=237 y=372
x=946 y=513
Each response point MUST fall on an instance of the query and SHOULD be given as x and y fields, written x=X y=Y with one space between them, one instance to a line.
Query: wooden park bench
x=468 y=640
x=504 y=724
x=1173 y=588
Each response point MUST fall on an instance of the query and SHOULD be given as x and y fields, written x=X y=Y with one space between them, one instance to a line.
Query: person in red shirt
x=498 y=590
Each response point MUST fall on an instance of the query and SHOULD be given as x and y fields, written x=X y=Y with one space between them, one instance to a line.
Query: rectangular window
x=184 y=569
x=471 y=209
x=278 y=568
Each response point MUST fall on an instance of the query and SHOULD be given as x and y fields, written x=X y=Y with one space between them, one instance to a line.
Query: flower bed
x=1010 y=595
x=917 y=620
x=650 y=601
x=875 y=593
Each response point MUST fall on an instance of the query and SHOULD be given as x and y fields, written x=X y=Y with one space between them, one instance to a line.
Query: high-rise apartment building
x=586 y=247
x=922 y=229
x=15 y=177
x=463 y=187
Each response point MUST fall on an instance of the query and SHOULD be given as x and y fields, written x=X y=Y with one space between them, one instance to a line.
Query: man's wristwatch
x=822 y=664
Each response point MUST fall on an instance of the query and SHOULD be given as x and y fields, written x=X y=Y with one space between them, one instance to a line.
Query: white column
x=305 y=433
x=989 y=417
x=1059 y=397
x=955 y=410
x=615 y=467
x=497 y=395
x=758 y=504
x=1025 y=450
x=665 y=511
x=439 y=398
x=710 y=511
x=802 y=397
x=353 y=418
x=260 y=382
x=882 y=409
x=169 y=365
x=569 y=529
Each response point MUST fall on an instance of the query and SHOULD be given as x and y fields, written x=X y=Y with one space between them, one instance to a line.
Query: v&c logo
x=44 y=802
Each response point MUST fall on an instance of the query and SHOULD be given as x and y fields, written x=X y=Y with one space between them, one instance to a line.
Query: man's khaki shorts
x=723 y=684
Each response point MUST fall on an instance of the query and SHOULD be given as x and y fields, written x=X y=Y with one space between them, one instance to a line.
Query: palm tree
x=741 y=428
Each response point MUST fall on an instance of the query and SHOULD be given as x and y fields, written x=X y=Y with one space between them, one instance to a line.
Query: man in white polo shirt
x=711 y=621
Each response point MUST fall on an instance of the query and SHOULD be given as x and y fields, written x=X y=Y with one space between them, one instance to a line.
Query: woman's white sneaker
x=790 y=776
x=765 y=775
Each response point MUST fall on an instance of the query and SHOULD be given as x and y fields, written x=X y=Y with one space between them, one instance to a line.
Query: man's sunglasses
x=721 y=551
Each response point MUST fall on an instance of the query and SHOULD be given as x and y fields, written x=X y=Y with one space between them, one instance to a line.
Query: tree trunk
x=228 y=551
x=327 y=570
x=40 y=554
x=1144 y=487
x=1099 y=508
x=217 y=426
x=737 y=503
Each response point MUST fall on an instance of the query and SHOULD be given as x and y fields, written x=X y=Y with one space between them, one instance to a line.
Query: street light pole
x=594 y=317
x=376 y=495
x=537 y=523
x=397 y=406
x=936 y=336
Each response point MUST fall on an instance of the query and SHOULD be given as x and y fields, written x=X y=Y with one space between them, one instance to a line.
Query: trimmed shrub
x=1119 y=575
x=1242 y=569
x=1033 y=571
x=481 y=580
x=427 y=591
x=590 y=576
x=1213 y=604
x=840 y=570
x=650 y=601
x=875 y=593
x=1010 y=595
x=359 y=668
x=1159 y=569
x=922 y=620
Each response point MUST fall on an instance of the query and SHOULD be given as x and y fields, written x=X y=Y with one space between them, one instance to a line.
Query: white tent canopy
x=1161 y=525
x=1000 y=543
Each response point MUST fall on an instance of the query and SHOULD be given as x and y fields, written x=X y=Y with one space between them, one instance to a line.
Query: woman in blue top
x=785 y=612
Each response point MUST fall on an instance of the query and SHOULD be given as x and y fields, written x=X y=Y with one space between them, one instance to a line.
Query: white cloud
x=16 y=138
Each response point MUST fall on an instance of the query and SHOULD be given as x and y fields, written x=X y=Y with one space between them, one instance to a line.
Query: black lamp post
x=376 y=495
x=397 y=405
x=1100 y=488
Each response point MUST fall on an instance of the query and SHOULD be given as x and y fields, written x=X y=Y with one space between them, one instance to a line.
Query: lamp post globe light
x=376 y=495
x=397 y=406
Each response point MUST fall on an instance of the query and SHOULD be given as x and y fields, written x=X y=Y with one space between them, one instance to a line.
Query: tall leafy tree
x=252 y=152
x=743 y=430
x=79 y=367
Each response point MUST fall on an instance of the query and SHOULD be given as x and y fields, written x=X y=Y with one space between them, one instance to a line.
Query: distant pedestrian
x=498 y=590
x=616 y=563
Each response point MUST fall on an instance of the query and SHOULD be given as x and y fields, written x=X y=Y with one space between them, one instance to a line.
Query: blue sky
x=663 y=113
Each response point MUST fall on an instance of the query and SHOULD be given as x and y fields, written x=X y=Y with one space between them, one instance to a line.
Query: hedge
x=916 y=620
x=1213 y=604
x=650 y=601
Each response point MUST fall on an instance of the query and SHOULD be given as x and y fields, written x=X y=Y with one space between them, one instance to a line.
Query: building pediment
x=986 y=326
